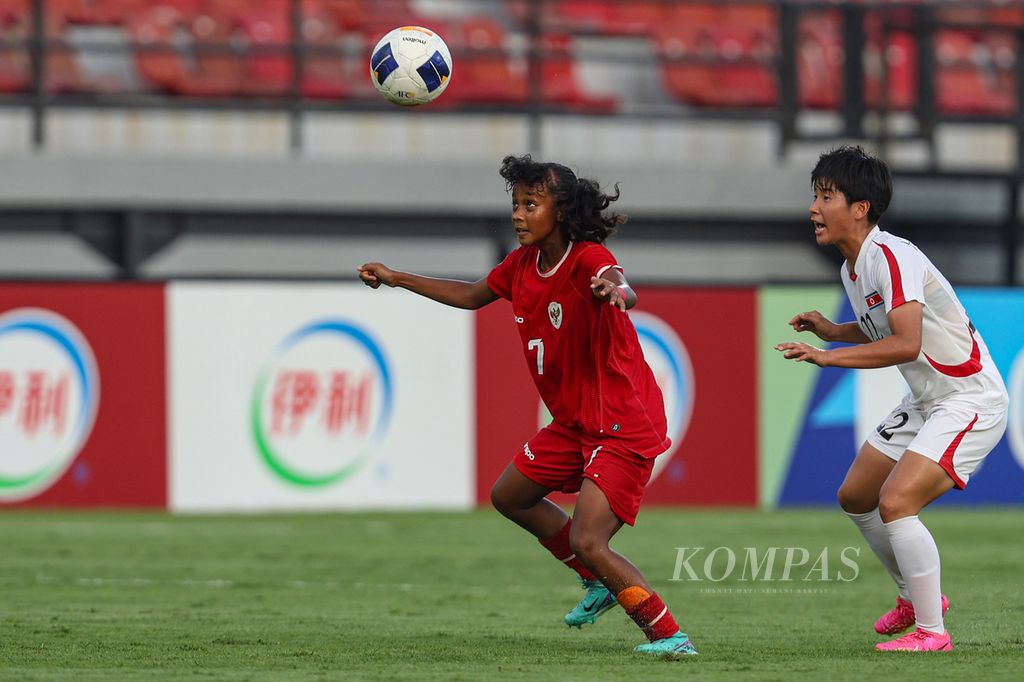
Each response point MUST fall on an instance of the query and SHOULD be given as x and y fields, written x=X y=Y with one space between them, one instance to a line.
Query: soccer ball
x=411 y=65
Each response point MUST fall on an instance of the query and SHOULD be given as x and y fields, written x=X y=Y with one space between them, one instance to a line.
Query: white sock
x=918 y=558
x=874 y=531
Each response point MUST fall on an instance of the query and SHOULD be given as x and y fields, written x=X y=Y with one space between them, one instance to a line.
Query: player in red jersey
x=569 y=298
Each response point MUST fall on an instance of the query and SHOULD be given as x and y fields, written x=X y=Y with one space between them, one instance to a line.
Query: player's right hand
x=375 y=274
x=814 y=322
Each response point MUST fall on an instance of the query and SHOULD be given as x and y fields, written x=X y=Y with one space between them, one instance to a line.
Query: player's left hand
x=802 y=352
x=608 y=291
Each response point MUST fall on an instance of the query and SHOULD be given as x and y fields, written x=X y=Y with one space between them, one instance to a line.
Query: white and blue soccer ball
x=410 y=66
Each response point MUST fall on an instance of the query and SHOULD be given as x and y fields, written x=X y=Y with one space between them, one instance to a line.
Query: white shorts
x=955 y=437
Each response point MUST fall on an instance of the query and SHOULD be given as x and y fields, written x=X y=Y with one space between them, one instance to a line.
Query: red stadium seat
x=686 y=51
x=559 y=78
x=213 y=72
x=60 y=72
x=641 y=17
x=345 y=15
x=759 y=17
x=637 y=17
x=270 y=71
x=899 y=59
x=745 y=71
x=15 y=73
x=484 y=73
x=12 y=11
x=164 y=70
x=819 y=60
x=218 y=72
x=968 y=80
x=580 y=15
x=324 y=73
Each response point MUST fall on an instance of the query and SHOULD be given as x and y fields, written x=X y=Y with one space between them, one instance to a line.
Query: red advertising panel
x=82 y=395
x=700 y=344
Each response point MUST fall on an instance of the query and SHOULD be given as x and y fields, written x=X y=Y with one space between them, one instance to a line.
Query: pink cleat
x=901 y=617
x=918 y=640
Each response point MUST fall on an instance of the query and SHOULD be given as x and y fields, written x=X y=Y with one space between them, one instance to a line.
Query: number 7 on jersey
x=539 y=345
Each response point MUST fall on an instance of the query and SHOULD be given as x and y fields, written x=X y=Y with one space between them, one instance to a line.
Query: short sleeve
x=500 y=278
x=593 y=262
x=898 y=274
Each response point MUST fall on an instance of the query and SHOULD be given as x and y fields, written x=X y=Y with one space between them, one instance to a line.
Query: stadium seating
x=560 y=81
x=266 y=35
x=14 y=59
x=716 y=55
x=969 y=80
x=324 y=75
x=485 y=73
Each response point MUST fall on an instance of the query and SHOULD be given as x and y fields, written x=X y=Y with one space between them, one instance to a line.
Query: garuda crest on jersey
x=555 y=314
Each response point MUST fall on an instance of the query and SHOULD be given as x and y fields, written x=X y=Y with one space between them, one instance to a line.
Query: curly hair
x=581 y=203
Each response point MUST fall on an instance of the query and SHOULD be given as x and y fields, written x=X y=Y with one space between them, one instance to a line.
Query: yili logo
x=1016 y=425
x=670 y=362
x=49 y=396
x=322 y=403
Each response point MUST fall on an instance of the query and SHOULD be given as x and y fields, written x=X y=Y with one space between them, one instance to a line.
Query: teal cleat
x=669 y=647
x=595 y=602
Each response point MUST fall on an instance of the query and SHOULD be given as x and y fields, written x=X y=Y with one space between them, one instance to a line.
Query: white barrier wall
x=317 y=396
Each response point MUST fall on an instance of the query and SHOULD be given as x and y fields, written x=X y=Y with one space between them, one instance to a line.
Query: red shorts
x=560 y=458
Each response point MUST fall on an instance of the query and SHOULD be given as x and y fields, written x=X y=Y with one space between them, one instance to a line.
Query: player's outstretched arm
x=612 y=287
x=826 y=330
x=456 y=293
x=903 y=345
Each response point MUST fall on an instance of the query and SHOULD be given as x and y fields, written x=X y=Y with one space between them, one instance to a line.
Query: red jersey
x=583 y=354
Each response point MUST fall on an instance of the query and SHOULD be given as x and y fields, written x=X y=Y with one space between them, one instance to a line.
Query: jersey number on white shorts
x=899 y=420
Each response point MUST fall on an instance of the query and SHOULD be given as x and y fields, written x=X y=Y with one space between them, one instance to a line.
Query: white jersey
x=954 y=365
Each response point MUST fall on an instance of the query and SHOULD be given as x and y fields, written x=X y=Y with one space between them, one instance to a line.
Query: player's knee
x=501 y=499
x=894 y=505
x=855 y=501
x=586 y=544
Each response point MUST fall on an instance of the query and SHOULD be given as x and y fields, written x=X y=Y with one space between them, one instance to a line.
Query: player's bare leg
x=863 y=483
x=523 y=502
x=595 y=524
x=915 y=482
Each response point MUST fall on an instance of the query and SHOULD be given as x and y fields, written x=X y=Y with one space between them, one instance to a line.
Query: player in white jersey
x=955 y=413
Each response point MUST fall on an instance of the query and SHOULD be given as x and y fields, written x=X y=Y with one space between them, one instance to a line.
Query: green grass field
x=118 y=596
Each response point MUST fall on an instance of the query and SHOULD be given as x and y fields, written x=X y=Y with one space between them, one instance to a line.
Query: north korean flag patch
x=873 y=300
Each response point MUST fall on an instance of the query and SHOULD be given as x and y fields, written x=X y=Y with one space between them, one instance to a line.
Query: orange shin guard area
x=630 y=597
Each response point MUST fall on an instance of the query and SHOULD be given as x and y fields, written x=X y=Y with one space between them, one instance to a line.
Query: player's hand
x=608 y=291
x=375 y=274
x=802 y=352
x=814 y=322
